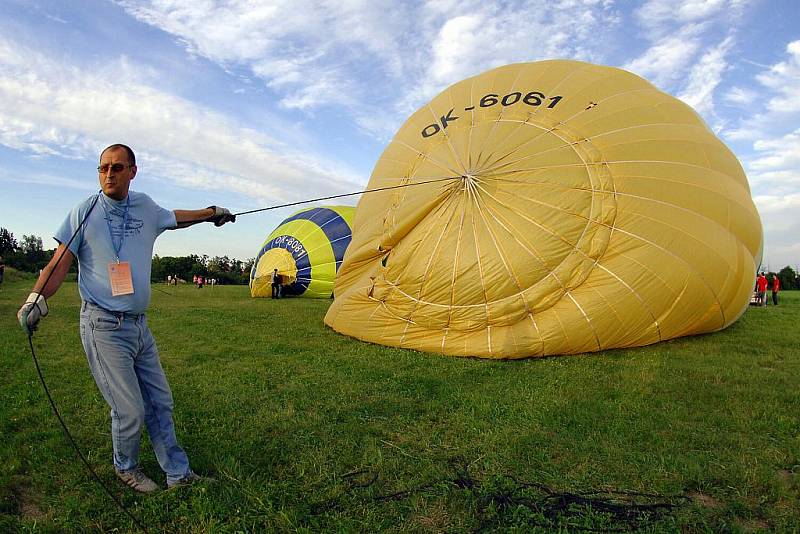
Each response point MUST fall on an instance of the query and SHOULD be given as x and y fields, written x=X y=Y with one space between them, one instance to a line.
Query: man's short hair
x=126 y=148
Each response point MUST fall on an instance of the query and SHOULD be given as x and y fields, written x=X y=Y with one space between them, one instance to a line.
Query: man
x=275 y=280
x=776 y=286
x=114 y=248
x=761 y=284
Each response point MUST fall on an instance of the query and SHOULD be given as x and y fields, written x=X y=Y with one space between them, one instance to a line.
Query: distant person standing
x=112 y=235
x=776 y=286
x=275 y=280
x=2 y=271
x=761 y=284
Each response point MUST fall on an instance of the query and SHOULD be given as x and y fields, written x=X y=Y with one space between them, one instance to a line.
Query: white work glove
x=221 y=216
x=31 y=312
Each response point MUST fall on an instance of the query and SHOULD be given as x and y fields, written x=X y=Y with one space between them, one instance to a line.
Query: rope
x=75 y=445
x=504 y=496
x=347 y=195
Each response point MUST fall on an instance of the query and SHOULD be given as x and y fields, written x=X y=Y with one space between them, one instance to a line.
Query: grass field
x=306 y=430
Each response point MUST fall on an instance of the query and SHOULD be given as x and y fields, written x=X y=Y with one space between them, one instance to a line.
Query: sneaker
x=188 y=479
x=136 y=479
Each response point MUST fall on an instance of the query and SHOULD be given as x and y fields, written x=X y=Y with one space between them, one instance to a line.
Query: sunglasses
x=116 y=167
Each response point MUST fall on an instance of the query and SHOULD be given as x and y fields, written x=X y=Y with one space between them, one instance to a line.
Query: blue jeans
x=124 y=361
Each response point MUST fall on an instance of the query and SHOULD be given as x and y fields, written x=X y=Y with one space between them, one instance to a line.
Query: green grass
x=306 y=430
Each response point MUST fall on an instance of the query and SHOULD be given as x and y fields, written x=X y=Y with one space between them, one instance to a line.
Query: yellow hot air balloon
x=306 y=249
x=583 y=210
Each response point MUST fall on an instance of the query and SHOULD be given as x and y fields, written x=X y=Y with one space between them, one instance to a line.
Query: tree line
x=29 y=255
x=224 y=269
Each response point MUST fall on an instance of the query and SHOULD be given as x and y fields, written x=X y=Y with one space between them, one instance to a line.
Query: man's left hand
x=221 y=216
x=31 y=312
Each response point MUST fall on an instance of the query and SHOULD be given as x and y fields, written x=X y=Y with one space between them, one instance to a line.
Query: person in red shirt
x=776 y=286
x=761 y=284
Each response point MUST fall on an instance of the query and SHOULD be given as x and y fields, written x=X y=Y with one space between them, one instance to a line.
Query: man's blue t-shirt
x=95 y=244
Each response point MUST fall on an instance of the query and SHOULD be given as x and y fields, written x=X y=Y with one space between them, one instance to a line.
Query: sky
x=248 y=104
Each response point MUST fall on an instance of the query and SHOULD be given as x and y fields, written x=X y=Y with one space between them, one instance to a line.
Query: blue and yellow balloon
x=307 y=249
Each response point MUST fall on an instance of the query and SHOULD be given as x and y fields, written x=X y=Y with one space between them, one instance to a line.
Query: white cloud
x=740 y=96
x=784 y=79
x=705 y=76
x=778 y=154
x=378 y=60
x=47 y=180
x=779 y=207
x=49 y=108
x=666 y=61
x=659 y=18
x=678 y=32
x=234 y=31
x=458 y=40
x=779 y=98
x=306 y=49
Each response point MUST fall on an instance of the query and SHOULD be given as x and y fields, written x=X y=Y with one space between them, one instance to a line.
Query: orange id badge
x=120 y=276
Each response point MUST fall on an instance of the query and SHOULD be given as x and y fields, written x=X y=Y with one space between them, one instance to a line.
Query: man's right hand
x=221 y=215
x=31 y=312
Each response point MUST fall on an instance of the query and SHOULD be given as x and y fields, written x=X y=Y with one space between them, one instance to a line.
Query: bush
x=12 y=275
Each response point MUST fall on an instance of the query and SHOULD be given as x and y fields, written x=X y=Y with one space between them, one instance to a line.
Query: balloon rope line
x=162 y=291
x=348 y=195
x=75 y=445
x=50 y=397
